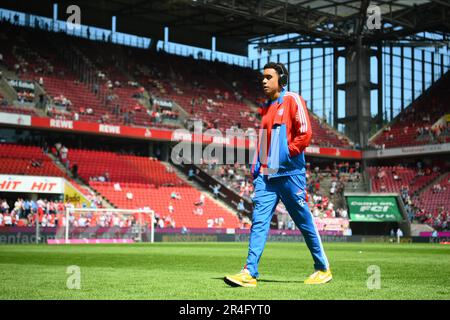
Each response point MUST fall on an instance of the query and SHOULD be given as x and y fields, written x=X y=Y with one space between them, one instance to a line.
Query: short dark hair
x=278 y=67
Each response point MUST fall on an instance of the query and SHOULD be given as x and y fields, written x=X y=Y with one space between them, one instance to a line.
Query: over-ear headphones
x=282 y=74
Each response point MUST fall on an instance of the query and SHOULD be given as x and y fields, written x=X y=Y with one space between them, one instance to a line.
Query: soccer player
x=279 y=174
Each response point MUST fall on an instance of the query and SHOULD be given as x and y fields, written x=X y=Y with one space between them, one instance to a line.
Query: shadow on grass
x=266 y=280
x=279 y=281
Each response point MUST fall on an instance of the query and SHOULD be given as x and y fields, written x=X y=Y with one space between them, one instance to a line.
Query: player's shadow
x=267 y=280
x=278 y=281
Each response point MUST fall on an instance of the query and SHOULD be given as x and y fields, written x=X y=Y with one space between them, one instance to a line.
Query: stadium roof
x=235 y=23
x=345 y=8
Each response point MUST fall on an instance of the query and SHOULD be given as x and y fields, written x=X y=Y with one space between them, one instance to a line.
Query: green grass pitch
x=195 y=271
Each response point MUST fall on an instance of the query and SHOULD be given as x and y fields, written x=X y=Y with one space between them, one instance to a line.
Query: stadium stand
x=132 y=182
x=29 y=160
x=415 y=125
x=203 y=89
x=394 y=178
x=148 y=181
x=50 y=213
x=325 y=136
x=325 y=186
x=185 y=212
x=18 y=110
x=120 y=94
x=121 y=168
x=437 y=195
x=213 y=87
x=424 y=192
x=432 y=206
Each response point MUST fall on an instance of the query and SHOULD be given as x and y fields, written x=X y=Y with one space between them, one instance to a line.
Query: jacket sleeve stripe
x=301 y=113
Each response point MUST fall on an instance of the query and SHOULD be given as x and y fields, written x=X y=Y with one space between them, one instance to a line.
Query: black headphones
x=283 y=77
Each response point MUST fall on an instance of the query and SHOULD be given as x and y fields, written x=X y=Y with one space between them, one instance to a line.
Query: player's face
x=270 y=82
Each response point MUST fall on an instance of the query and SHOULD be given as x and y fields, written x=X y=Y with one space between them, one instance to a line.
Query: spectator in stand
x=116 y=110
x=198 y=211
x=437 y=188
x=63 y=151
x=343 y=213
x=3 y=102
x=216 y=189
x=126 y=118
x=27 y=213
x=75 y=170
x=8 y=219
x=104 y=118
x=175 y=195
x=381 y=174
x=395 y=175
x=171 y=208
x=201 y=200
x=161 y=223
x=191 y=174
x=435 y=236
x=241 y=208
x=333 y=187
x=171 y=223
x=317 y=185
x=26 y=208
x=4 y=206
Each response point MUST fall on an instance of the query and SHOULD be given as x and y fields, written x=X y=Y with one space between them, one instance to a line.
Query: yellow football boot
x=319 y=277
x=242 y=279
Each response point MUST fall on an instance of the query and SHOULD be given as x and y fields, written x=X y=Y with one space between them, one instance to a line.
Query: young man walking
x=279 y=174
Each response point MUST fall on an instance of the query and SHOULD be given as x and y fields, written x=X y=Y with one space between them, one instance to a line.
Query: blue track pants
x=291 y=191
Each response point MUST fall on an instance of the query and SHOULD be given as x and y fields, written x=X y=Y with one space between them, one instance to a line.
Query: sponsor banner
x=61 y=124
x=373 y=209
x=163 y=103
x=71 y=194
x=107 y=128
x=15 y=119
x=31 y=184
x=331 y=224
x=89 y=241
x=430 y=234
x=312 y=150
x=334 y=152
x=96 y=128
x=408 y=151
x=425 y=149
x=158 y=134
x=192 y=237
x=27 y=235
x=285 y=237
x=182 y=135
x=21 y=84
x=441 y=122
